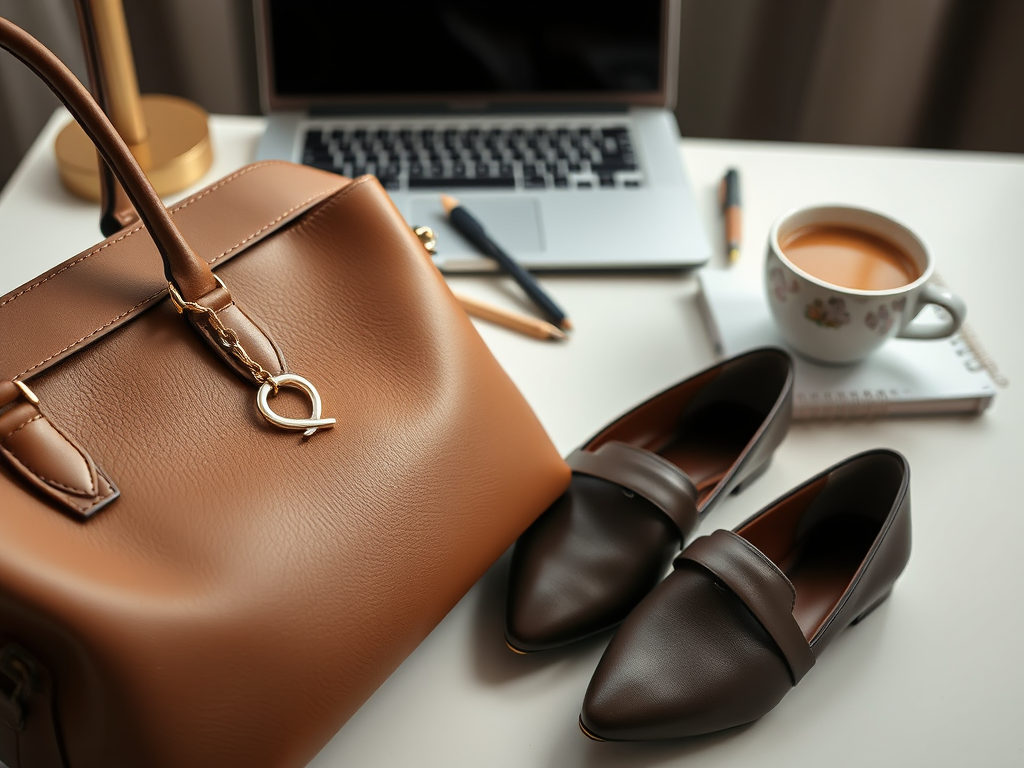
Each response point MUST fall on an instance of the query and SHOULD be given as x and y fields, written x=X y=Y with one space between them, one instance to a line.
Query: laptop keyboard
x=571 y=157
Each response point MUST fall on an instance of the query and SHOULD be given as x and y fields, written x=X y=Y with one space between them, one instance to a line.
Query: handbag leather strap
x=232 y=333
x=191 y=275
x=207 y=303
x=43 y=453
x=252 y=204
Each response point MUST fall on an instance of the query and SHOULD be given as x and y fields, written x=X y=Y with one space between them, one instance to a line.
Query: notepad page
x=903 y=377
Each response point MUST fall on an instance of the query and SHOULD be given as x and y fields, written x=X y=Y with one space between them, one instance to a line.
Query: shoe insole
x=707 y=444
x=824 y=566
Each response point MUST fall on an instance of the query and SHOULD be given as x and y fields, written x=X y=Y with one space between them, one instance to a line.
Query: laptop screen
x=322 y=52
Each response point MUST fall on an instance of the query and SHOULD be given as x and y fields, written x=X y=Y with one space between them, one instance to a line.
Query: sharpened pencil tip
x=557 y=334
x=566 y=324
x=448 y=203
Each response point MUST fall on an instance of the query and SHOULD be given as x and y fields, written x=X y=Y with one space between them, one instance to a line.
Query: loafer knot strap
x=762 y=587
x=659 y=481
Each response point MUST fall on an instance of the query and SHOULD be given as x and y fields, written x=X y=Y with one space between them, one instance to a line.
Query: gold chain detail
x=226 y=336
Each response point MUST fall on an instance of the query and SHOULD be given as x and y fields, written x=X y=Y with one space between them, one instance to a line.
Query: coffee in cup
x=842 y=280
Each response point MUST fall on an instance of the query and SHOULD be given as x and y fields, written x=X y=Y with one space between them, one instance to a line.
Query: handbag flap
x=113 y=282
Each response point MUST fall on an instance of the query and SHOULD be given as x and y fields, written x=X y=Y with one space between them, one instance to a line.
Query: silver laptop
x=549 y=120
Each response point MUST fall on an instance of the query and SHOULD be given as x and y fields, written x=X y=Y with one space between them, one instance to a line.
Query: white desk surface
x=935 y=677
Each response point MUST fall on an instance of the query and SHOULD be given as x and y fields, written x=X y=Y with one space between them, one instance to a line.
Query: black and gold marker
x=729 y=194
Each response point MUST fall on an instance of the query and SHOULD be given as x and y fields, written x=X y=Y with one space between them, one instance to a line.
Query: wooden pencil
x=506 y=318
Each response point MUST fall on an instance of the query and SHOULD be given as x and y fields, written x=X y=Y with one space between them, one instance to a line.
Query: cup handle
x=949 y=301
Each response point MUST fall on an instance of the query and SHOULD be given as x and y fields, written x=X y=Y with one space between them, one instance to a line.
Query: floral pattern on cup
x=830 y=313
x=779 y=286
x=879 y=320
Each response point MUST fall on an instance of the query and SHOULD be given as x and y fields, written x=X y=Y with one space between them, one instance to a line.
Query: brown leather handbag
x=210 y=556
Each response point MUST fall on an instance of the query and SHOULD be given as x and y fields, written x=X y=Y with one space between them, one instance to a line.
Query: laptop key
x=610 y=164
x=449 y=182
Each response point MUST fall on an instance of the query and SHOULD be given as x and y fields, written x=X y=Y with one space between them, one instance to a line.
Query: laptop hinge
x=467 y=109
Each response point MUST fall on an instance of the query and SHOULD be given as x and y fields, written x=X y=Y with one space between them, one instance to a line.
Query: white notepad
x=904 y=377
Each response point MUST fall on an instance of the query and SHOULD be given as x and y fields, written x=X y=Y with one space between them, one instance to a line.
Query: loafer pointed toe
x=638 y=489
x=746 y=614
x=665 y=678
x=571 y=578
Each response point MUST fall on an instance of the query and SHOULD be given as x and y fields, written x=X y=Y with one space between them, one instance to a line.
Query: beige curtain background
x=924 y=73
x=919 y=73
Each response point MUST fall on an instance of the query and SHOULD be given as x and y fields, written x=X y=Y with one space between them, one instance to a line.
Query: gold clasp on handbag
x=293 y=380
x=268 y=382
x=426 y=236
x=26 y=392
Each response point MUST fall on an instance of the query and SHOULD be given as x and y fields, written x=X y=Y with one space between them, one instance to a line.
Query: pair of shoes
x=745 y=614
x=637 y=490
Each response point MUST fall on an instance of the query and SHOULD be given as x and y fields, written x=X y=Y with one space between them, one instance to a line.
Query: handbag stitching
x=160 y=293
x=255 y=234
x=69 y=266
x=337 y=196
x=74 y=344
x=40 y=475
x=241 y=172
x=140 y=227
x=21 y=426
x=81 y=506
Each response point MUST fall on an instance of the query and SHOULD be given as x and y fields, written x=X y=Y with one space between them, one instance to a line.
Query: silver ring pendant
x=293 y=381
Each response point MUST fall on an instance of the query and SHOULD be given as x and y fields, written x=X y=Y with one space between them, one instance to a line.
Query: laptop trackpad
x=512 y=222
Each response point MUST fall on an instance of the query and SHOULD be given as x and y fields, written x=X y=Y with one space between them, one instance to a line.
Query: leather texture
x=637 y=490
x=762 y=588
x=112 y=283
x=746 y=614
x=659 y=481
x=249 y=589
x=52 y=462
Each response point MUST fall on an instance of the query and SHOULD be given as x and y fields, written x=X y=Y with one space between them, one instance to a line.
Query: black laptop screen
x=332 y=49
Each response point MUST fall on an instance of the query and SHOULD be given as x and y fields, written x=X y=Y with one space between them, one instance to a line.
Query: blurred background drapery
x=916 y=73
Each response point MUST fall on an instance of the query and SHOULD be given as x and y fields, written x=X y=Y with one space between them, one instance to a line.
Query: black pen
x=473 y=231
x=730 y=197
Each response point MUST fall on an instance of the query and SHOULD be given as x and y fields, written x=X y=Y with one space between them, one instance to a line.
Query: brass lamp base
x=176 y=155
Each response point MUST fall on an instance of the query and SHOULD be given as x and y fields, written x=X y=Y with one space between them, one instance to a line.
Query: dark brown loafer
x=745 y=614
x=637 y=490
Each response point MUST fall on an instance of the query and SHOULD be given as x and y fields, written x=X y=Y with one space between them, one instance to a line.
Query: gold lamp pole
x=168 y=135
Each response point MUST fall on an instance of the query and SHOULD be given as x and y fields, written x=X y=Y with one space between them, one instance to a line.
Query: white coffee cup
x=838 y=322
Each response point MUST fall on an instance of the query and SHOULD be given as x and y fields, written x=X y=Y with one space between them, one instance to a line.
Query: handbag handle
x=190 y=274
x=195 y=291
